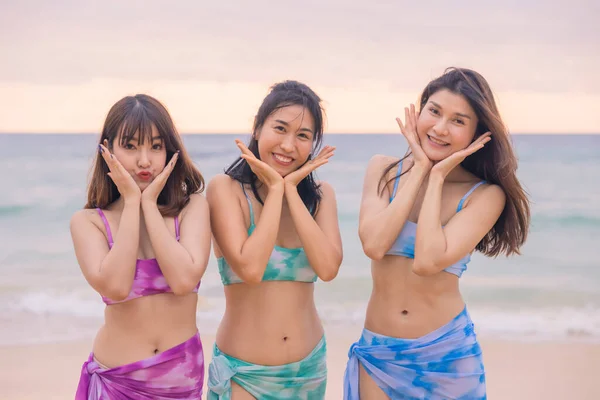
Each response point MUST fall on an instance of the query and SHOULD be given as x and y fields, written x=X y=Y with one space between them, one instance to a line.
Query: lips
x=437 y=142
x=144 y=175
x=282 y=160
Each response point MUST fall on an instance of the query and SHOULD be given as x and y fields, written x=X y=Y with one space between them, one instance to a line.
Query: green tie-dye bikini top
x=284 y=264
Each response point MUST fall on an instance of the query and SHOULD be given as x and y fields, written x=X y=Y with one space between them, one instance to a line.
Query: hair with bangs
x=495 y=163
x=284 y=94
x=139 y=114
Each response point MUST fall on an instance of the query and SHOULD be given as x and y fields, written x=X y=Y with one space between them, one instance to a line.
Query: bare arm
x=109 y=271
x=247 y=255
x=380 y=222
x=182 y=263
x=437 y=247
x=320 y=236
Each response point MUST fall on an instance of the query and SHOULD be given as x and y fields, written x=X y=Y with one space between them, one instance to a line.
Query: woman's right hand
x=128 y=188
x=410 y=133
x=267 y=175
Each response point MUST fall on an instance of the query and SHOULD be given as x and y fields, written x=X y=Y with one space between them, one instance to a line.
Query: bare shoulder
x=197 y=203
x=197 y=200
x=221 y=182
x=379 y=163
x=326 y=189
x=490 y=194
x=382 y=160
x=223 y=190
x=86 y=217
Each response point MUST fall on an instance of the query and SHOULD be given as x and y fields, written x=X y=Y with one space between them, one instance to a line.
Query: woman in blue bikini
x=421 y=218
x=276 y=231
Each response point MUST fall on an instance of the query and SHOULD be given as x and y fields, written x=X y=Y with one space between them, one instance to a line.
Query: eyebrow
x=459 y=114
x=286 y=124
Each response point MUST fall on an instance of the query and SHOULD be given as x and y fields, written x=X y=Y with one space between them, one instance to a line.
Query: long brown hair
x=495 y=163
x=284 y=94
x=139 y=114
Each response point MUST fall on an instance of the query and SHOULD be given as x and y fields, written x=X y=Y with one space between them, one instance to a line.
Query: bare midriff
x=406 y=305
x=271 y=323
x=143 y=327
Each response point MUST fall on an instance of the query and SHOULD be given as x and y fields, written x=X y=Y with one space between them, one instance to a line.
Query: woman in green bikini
x=276 y=231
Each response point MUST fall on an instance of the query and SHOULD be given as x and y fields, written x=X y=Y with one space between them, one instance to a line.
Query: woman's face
x=446 y=124
x=285 y=139
x=143 y=161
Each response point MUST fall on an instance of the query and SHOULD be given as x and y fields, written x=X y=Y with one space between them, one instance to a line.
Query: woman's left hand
x=443 y=168
x=153 y=190
x=294 y=178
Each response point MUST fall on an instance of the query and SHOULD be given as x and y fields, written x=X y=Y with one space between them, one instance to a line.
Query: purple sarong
x=177 y=373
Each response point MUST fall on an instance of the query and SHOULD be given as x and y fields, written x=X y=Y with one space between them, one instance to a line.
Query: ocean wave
x=562 y=323
x=565 y=221
x=12 y=210
x=525 y=322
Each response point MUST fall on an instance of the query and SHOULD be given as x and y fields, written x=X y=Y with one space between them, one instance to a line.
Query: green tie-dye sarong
x=302 y=380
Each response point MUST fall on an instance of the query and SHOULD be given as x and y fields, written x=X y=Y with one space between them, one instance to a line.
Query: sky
x=64 y=63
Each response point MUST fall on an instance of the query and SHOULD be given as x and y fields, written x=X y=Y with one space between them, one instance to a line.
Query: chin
x=436 y=155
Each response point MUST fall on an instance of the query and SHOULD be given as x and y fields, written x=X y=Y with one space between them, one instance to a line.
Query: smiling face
x=285 y=140
x=144 y=161
x=446 y=124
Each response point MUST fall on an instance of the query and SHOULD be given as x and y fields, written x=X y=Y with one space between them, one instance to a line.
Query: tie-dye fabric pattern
x=284 y=264
x=302 y=380
x=444 y=364
x=175 y=374
x=404 y=245
x=148 y=278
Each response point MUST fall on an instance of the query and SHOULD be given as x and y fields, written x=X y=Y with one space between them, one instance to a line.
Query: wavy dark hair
x=496 y=162
x=139 y=114
x=284 y=94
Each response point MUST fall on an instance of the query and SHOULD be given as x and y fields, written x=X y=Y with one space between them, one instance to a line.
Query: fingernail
x=111 y=156
x=177 y=152
x=100 y=149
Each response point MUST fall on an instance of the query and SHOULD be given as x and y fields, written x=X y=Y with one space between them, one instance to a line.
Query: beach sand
x=515 y=369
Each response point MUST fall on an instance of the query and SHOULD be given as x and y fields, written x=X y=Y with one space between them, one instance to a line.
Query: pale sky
x=64 y=63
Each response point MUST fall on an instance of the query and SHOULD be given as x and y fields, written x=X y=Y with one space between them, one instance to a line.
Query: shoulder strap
x=461 y=202
x=396 y=181
x=108 y=232
x=177 y=235
x=249 y=205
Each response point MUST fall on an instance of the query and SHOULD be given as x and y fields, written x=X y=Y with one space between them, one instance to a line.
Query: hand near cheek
x=267 y=175
x=126 y=185
x=443 y=168
x=409 y=130
x=152 y=191
x=294 y=178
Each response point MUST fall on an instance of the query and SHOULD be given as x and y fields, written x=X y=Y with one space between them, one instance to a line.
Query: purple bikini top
x=148 y=279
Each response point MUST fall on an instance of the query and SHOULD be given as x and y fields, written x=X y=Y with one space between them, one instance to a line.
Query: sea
x=549 y=292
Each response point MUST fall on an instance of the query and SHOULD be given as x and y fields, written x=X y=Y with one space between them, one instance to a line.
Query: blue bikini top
x=284 y=264
x=405 y=242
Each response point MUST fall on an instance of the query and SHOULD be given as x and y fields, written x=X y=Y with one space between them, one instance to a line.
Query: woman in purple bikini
x=143 y=241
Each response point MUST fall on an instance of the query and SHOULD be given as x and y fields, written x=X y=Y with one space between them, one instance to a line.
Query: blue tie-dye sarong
x=444 y=364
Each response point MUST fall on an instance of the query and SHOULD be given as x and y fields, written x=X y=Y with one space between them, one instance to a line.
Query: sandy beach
x=515 y=369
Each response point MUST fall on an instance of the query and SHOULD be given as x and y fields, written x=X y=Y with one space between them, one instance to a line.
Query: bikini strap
x=249 y=205
x=177 y=235
x=108 y=232
x=396 y=181
x=461 y=202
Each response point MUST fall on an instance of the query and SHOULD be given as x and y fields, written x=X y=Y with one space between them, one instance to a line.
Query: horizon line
x=328 y=133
